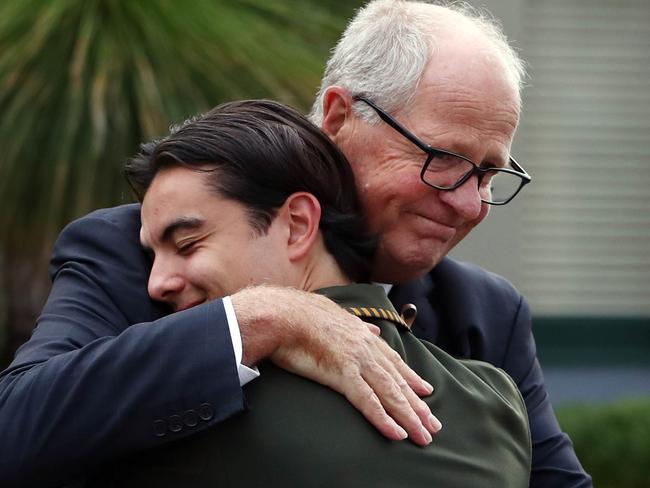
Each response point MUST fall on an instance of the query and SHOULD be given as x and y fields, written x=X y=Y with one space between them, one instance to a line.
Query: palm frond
x=83 y=82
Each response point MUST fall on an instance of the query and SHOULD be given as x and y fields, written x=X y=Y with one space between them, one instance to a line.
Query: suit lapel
x=418 y=293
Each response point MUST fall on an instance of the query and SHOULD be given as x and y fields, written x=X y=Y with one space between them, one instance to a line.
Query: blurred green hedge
x=612 y=441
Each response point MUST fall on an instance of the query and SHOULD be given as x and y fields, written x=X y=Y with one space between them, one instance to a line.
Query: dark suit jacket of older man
x=90 y=386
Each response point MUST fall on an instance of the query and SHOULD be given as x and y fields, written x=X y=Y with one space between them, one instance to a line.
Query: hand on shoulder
x=311 y=336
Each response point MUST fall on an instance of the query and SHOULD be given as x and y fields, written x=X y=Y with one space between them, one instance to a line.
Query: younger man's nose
x=164 y=285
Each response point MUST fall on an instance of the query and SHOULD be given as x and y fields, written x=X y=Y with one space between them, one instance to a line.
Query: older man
x=251 y=192
x=413 y=92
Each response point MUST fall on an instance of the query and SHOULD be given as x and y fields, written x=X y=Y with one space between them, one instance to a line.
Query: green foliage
x=85 y=81
x=612 y=441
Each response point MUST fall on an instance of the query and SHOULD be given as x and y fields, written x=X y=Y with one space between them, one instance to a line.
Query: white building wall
x=577 y=240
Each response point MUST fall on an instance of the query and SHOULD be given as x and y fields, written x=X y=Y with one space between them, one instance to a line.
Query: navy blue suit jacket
x=108 y=372
x=472 y=313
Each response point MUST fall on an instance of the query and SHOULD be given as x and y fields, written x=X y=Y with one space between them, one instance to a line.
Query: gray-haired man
x=451 y=88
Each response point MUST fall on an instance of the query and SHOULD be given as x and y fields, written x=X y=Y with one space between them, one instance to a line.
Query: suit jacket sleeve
x=89 y=386
x=482 y=316
x=554 y=461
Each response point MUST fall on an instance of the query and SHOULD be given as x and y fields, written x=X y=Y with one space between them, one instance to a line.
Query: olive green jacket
x=298 y=433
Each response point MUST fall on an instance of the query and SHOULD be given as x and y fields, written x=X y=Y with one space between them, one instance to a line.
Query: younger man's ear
x=302 y=213
x=337 y=106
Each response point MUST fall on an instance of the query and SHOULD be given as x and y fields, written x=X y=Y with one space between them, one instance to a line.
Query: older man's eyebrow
x=180 y=223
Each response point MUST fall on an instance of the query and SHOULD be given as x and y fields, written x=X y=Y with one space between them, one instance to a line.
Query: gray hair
x=386 y=47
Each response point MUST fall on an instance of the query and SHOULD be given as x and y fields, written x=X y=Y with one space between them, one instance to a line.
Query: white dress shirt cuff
x=245 y=373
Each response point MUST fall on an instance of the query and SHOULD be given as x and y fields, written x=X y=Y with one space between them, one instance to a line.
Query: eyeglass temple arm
x=425 y=147
x=527 y=178
x=395 y=124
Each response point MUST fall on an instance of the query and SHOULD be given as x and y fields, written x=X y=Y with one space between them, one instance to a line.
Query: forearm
x=273 y=318
x=261 y=321
x=311 y=336
x=77 y=409
x=554 y=460
x=88 y=386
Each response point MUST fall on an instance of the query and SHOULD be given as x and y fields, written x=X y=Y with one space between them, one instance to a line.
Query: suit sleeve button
x=175 y=423
x=206 y=412
x=190 y=418
x=159 y=428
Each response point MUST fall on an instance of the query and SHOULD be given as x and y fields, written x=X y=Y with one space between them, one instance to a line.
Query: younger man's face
x=203 y=245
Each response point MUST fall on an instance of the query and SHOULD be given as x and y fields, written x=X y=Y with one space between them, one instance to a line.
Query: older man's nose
x=164 y=285
x=465 y=200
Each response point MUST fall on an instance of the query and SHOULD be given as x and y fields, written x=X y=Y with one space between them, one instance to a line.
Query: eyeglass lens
x=445 y=171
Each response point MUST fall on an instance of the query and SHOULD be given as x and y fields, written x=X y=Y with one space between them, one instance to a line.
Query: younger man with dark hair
x=253 y=193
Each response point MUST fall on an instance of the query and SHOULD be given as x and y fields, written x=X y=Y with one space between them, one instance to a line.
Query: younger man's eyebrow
x=180 y=223
x=175 y=225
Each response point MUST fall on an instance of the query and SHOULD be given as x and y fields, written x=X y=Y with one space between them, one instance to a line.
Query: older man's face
x=472 y=111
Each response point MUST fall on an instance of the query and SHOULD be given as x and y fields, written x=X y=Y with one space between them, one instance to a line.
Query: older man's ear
x=301 y=215
x=337 y=107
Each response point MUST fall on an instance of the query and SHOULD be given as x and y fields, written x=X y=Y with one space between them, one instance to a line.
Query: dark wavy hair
x=258 y=152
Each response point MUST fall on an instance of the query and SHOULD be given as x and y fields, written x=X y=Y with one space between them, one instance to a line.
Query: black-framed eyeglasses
x=445 y=170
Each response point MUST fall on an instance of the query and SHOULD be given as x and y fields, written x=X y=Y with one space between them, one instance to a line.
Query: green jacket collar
x=365 y=301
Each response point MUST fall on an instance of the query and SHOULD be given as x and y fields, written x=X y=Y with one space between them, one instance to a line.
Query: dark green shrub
x=612 y=441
